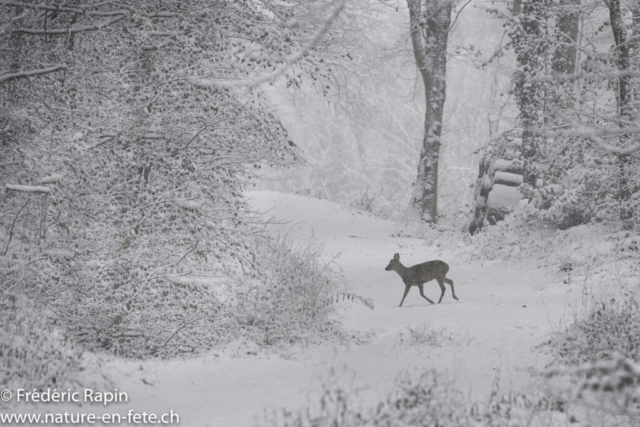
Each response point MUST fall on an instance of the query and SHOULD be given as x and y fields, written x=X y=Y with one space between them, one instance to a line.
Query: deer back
x=427 y=271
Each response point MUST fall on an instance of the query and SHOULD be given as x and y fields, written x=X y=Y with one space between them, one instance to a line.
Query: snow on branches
x=145 y=171
x=577 y=86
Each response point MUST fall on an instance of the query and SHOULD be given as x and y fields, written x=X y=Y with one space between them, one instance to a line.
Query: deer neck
x=401 y=269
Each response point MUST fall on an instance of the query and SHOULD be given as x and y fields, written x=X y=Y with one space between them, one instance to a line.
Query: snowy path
x=503 y=313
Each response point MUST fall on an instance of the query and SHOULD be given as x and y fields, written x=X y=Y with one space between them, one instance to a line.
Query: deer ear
x=396 y=256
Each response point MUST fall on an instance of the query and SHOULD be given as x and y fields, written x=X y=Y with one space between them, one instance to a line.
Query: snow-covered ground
x=490 y=334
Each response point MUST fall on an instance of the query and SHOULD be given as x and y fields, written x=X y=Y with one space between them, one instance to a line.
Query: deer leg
x=406 y=291
x=450 y=282
x=422 y=293
x=442 y=289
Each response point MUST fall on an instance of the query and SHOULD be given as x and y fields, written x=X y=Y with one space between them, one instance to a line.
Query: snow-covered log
x=31 y=73
x=54 y=177
x=500 y=171
x=28 y=188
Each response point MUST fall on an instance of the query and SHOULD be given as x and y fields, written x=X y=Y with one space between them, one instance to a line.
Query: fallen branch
x=25 y=74
x=28 y=188
x=188 y=322
x=70 y=30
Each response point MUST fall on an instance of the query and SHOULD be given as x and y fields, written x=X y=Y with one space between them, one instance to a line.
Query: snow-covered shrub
x=363 y=202
x=424 y=335
x=374 y=203
x=426 y=401
x=337 y=407
x=613 y=384
x=594 y=255
x=144 y=169
x=616 y=375
x=32 y=353
x=516 y=235
x=290 y=296
x=443 y=235
x=567 y=208
x=432 y=401
x=576 y=136
x=603 y=393
x=157 y=317
x=608 y=330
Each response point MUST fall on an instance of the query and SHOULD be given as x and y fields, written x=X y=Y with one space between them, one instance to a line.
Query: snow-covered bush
x=157 y=317
x=432 y=401
x=424 y=335
x=516 y=236
x=290 y=296
x=577 y=114
x=132 y=176
x=567 y=208
x=32 y=353
x=608 y=330
x=613 y=384
x=375 y=203
x=603 y=393
x=428 y=400
x=582 y=188
x=337 y=407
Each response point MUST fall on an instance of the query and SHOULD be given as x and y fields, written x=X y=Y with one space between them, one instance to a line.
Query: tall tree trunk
x=634 y=45
x=623 y=98
x=430 y=51
x=561 y=94
x=567 y=25
x=634 y=54
x=528 y=92
x=622 y=57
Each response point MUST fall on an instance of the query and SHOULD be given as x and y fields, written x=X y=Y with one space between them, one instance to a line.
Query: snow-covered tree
x=121 y=179
x=573 y=82
x=429 y=25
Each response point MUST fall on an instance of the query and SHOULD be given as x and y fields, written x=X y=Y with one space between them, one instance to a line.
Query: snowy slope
x=503 y=313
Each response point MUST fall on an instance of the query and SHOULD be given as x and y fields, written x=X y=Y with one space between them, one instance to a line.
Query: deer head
x=394 y=262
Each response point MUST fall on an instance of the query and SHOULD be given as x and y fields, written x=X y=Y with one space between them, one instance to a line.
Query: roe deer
x=420 y=274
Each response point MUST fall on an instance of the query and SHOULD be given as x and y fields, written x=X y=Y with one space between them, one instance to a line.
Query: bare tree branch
x=453 y=24
x=84 y=11
x=45 y=7
x=603 y=75
x=280 y=71
x=24 y=74
x=594 y=135
x=416 y=36
x=70 y=30
x=613 y=149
